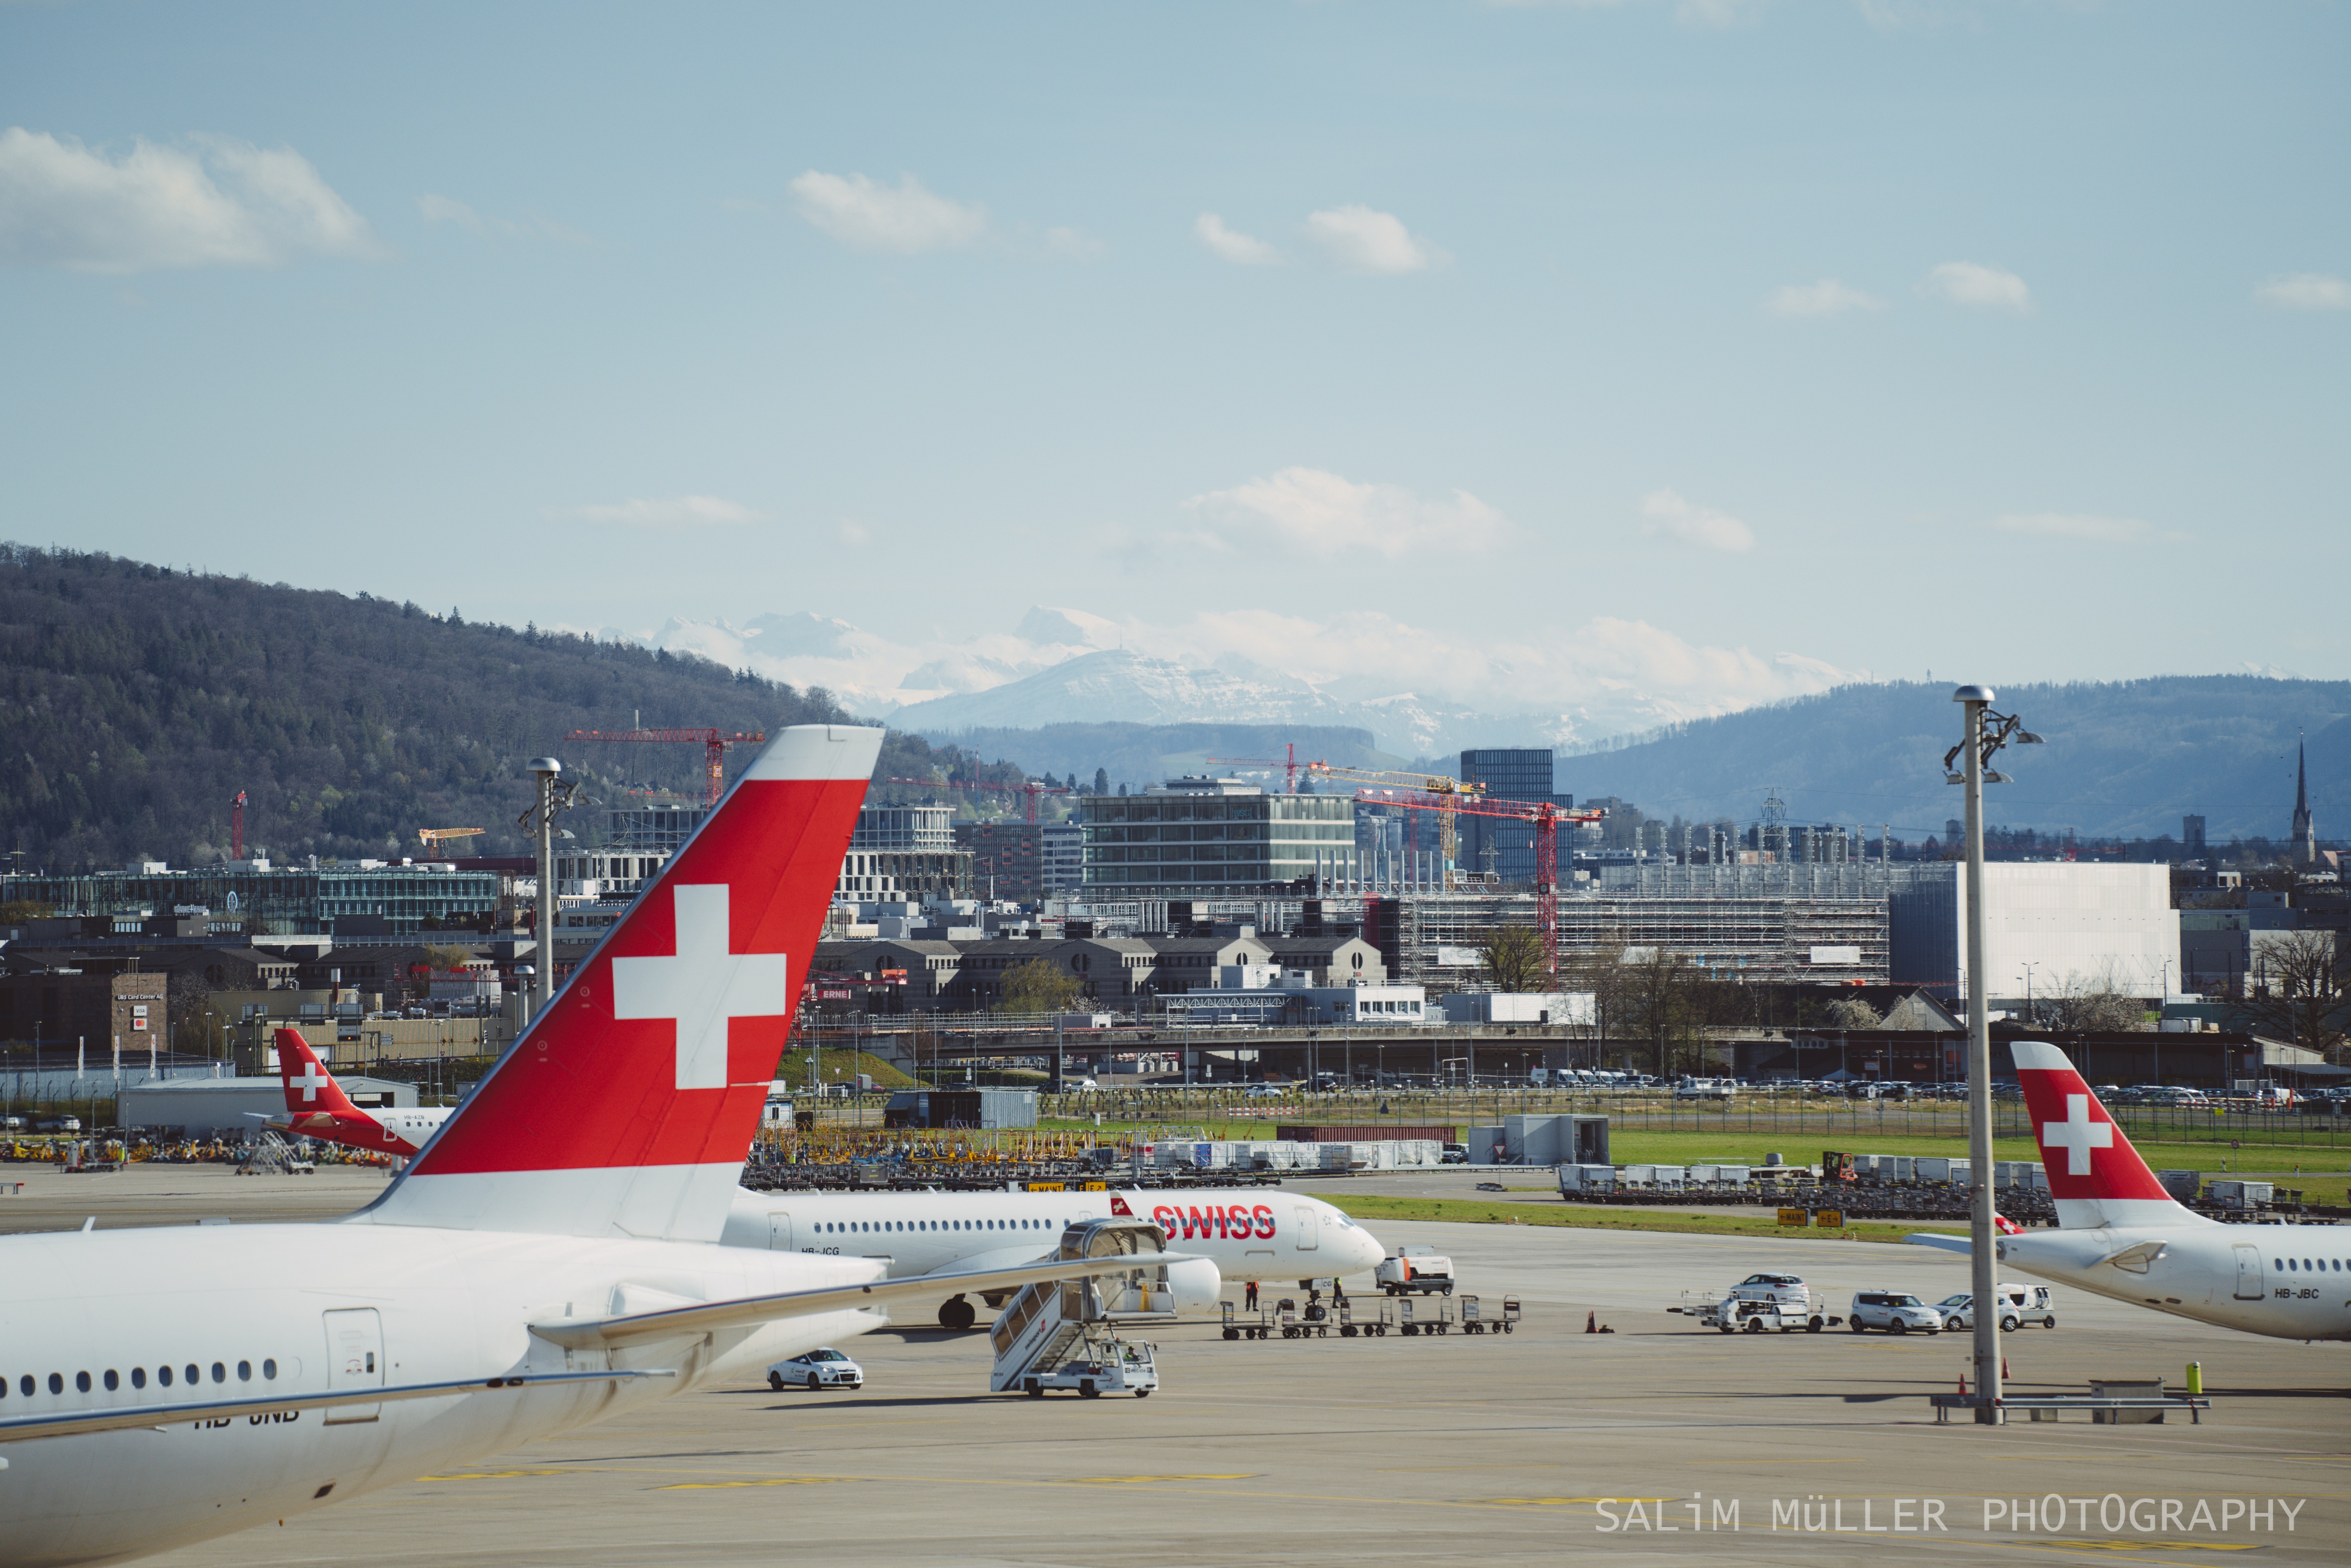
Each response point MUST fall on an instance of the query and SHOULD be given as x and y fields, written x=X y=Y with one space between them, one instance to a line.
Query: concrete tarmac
x=1427 y=1450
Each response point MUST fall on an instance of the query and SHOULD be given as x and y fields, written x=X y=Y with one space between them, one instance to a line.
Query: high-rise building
x=1508 y=773
x=2305 y=836
x=1204 y=837
x=2191 y=837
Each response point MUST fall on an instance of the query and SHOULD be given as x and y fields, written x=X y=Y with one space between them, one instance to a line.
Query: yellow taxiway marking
x=769 y=1481
x=496 y=1475
x=1131 y=1480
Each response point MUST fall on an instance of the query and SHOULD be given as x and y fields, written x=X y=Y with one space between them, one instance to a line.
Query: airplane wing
x=1942 y=1239
x=703 y=1316
x=71 y=1424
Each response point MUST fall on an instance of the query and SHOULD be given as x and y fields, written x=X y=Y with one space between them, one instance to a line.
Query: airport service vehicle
x=823 y=1367
x=2120 y=1234
x=1421 y=1268
x=2019 y=1305
x=317 y=1107
x=549 y=1259
x=1110 y=1365
x=1705 y=1088
x=1238 y=1233
x=1895 y=1311
x=1732 y=1315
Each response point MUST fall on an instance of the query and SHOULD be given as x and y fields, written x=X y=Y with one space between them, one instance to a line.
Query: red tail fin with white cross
x=2095 y=1177
x=628 y=1107
x=311 y=1088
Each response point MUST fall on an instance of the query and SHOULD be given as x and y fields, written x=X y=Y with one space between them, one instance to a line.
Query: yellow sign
x=1045 y=1186
x=1093 y=1186
x=1830 y=1219
x=1792 y=1217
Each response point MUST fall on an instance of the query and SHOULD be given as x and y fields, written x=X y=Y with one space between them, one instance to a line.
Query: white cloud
x=671 y=512
x=1323 y=514
x=1971 y=283
x=902 y=221
x=1072 y=245
x=1669 y=512
x=446 y=210
x=1826 y=297
x=2079 y=526
x=1364 y=240
x=1231 y=244
x=216 y=201
x=2306 y=291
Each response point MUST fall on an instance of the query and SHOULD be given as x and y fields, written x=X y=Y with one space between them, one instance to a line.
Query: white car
x=1895 y=1311
x=2020 y=1304
x=825 y=1368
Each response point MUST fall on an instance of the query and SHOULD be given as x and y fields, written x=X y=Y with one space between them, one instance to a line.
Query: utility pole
x=547 y=770
x=1979 y=742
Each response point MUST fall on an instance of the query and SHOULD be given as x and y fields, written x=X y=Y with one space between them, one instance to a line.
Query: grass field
x=1579 y=1217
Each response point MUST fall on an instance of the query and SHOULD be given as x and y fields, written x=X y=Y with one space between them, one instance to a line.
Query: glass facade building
x=288 y=902
x=1510 y=773
x=1206 y=836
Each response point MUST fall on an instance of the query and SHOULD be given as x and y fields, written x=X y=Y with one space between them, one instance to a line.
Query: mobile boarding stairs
x=1066 y=1335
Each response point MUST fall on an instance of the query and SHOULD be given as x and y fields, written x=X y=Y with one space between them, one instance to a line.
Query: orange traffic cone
x=1963 y=1385
x=1591 y=1323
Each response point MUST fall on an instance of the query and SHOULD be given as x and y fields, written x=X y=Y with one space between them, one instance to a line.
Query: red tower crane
x=713 y=743
x=1028 y=787
x=1545 y=818
x=236 y=827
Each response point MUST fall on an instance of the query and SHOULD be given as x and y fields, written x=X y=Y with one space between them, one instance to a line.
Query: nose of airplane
x=1363 y=1249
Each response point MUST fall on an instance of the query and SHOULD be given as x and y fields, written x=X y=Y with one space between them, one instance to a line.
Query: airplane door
x=779 y=1232
x=2253 y=1285
x=1307 y=1240
x=354 y=1359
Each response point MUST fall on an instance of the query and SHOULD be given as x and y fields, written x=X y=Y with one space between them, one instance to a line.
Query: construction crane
x=1029 y=788
x=713 y=743
x=1546 y=820
x=236 y=827
x=434 y=838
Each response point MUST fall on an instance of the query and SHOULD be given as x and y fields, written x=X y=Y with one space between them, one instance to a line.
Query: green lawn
x=1582 y=1216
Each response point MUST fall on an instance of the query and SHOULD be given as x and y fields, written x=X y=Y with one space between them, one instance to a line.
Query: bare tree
x=2297 y=989
x=1853 y=1013
x=2089 y=1005
x=1513 y=959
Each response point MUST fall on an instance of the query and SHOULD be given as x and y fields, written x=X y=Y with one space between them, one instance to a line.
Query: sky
x=1697 y=353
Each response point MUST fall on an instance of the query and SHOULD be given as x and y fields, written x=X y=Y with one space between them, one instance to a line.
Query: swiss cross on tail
x=1118 y=1207
x=2090 y=1164
x=658 y=1053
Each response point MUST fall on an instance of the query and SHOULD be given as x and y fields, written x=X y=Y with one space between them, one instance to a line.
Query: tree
x=1853 y=1013
x=1101 y=781
x=2089 y=1007
x=447 y=956
x=1039 y=986
x=1513 y=959
x=2297 y=989
x=1662 y=990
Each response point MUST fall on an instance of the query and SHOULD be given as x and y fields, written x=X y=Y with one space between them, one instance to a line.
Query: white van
x=2019 y=1305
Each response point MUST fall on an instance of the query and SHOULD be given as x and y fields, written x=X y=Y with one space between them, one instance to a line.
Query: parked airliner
x=549 y=1259
x=2120 y=1234
x=1236 y=1233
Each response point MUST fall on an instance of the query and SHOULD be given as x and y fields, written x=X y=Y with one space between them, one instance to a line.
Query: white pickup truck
x=1421 y=1268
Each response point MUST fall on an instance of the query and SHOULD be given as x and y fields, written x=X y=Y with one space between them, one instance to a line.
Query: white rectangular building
x=2048 y=927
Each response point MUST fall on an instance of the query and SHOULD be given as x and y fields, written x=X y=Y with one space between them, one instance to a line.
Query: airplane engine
x=1195 y=1286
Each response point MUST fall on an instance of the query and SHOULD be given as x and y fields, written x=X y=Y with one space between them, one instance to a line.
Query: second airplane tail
x=2095 y=1177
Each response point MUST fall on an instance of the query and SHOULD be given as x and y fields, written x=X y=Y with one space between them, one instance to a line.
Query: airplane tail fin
x=628 y=1106
x=2095 y=1177
x=309 y=1087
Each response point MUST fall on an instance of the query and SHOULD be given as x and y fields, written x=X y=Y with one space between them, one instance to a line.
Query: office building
x=1205 y=837
x=1491 y=845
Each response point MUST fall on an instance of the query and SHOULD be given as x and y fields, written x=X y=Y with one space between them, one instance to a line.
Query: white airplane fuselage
x=237 y=1302
x=1252 y=1233
x=2234 y=1276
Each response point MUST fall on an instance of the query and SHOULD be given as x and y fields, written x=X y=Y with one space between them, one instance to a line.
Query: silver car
x=817 y=1369
x=1895 y=1311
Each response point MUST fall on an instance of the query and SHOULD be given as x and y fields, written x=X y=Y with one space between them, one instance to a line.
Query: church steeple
x=2305 y=839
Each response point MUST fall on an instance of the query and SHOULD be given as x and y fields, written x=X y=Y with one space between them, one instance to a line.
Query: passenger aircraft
x=2120 y=1234
x=549 y=1259
x=1237 y=1233
x=317 y=1107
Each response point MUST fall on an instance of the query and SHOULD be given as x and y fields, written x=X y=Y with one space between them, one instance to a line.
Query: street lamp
x=1985 y=734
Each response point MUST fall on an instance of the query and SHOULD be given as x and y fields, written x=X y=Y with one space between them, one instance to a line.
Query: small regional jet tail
x=628 y=1107
x=311 y=1088
x=2095 y=1175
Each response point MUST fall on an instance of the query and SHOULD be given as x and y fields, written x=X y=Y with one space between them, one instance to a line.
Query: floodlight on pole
x=552 y=796
x=1986 y=732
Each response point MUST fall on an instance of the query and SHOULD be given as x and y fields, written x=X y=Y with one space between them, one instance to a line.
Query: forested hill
x=136 y=701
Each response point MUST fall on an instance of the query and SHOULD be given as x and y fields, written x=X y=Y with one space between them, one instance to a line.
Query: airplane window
x=163 y=1375
x=220 y=1372
x=245 y=1371
x=193 y=1374
x=138 y=1377
x=113 y=1381
x=2288 y=1264
x=269 y=1369
x=57 y=1383
x=81 y=1382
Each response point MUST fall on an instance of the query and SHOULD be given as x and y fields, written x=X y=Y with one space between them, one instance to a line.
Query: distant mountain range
x=2128 y=758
